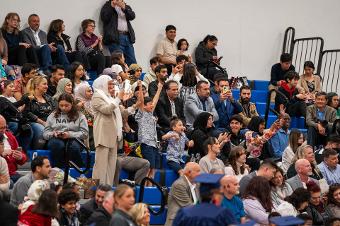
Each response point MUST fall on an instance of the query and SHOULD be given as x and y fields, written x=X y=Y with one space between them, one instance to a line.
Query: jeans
x=45 y=58
x=61 y=57
x=57 y=147
x=37 y=139
x=126 y=47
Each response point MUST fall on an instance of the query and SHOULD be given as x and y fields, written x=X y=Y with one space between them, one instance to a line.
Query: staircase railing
x=329 y=70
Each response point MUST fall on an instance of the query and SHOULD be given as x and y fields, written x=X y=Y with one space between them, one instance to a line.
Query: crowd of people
x=183 y=106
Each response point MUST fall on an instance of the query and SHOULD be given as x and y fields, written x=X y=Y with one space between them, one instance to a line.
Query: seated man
x=102 y=215
x=167 y=48
x=58 y=72
x=289 y=99
x=248 y=108
x=199 y=102
x=169 y=106
x=162 y=76
x=230 y=189
x=12 y=152
x=319 y=120
x=183 y=191
x=28 y=71
x=41 y=168
x=93 y=204
x=278 y=72
x=330 y=168
x=267 y=170
x=38 y=40
x=279 y=141
x=304 y=170
x=225 y=104
x=151 y=75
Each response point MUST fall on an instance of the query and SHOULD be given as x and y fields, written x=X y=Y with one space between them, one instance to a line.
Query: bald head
x=191 y=170
x=303 y=167
x=230 y=186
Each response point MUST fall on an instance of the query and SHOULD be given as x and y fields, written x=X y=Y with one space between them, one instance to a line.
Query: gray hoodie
x=77 y=129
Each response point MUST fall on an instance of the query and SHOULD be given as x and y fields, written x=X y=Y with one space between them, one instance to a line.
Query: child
x=182 y=46
x=176 y=144
x=65 y=123
x=147 y=133
x=7 y=90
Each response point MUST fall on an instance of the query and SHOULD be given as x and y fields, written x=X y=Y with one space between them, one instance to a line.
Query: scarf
x=80 y=94
x=61 y=87
x=285 y=86
x=88 y=40
x=100 y=86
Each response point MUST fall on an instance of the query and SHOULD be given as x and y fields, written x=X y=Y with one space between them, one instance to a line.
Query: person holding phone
x=118 y=32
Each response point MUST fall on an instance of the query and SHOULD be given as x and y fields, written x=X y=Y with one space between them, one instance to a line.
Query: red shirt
x=11 y=161
x=34 y=219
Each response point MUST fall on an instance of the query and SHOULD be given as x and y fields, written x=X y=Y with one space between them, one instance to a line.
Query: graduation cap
x=208 y=181
x=286 y=221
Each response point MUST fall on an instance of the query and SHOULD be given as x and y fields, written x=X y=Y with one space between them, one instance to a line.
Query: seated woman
x=69 y=215
x=316 y=207
x=280 y=188
x=38 y=106
x=305 y=152
x=256 y=201
x=294 y=204
x=90 y=44
x=187 y=82
x=84 y=95
x=77 y=75
x=333 y=202
x=333 y=101
x=9 y=72
x=140 y=214
x=237 y=163
x=56 y=35
x=296 y=139
x=64 y=86
x=63 y=124
x=7 y=90
x=308 y=82
x=210 y=161
x=19 y=52
x=206 y=53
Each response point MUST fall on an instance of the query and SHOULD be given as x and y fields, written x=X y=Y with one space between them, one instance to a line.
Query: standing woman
x=124 y=200
x=107 y=128
x=91 y=45
x=37 y=109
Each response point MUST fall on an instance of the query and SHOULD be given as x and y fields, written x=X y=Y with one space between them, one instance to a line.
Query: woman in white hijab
x=107 y=128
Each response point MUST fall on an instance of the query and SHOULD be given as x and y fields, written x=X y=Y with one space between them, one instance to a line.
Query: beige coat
x=303 y=83
x=104 y=127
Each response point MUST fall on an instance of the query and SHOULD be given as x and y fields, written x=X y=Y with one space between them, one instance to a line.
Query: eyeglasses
x=91 y=25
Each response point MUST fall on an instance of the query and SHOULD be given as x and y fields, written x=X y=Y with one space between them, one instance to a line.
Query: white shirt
x=7 y=146
x=122 y=23
x=192 y=189
x=36 y=37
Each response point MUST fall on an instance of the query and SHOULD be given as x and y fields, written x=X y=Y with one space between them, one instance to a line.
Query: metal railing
x=161 y=190
x=71 y=163
x=329 y=70
x=268 y=108
x=288 y=41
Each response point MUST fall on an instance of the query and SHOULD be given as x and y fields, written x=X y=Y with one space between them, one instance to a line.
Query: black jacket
x=34 y=109
x=8 y=214
x=163 y=111
x=65 y=39
x=87 y=209
x=203 y=55
x=100 y=217
x=10 y=110
x=286 y=100
x=277 y=74
x=109 y=18
x=120 y=218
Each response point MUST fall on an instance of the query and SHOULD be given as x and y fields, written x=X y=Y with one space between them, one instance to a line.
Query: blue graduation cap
x=286 y=221
x=208 y=181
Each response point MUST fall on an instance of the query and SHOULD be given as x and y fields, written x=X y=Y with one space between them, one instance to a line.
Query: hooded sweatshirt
x=77 y=129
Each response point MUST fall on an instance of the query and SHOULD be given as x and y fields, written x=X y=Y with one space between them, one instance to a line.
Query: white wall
x=250 y=32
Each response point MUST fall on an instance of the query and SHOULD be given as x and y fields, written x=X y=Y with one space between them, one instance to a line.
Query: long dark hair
x=73 y=114
x=259 y=188
x=255 y=123
x=74 y=67
x=47 y=204
x=299 y=196
x=332 y=189
x=55 y=26
x=189 y=75
x=201 y=121
x=234 y=154
x=209 y=38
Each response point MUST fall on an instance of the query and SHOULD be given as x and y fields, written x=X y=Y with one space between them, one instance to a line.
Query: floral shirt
x=147 y=133
x=175 y=149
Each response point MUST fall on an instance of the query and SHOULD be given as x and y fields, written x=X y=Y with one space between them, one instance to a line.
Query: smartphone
x=225 y=89
x=219 y=59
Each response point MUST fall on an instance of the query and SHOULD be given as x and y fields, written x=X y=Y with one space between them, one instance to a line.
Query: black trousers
x=19 y=55
x=297 y=109
x=97 y=62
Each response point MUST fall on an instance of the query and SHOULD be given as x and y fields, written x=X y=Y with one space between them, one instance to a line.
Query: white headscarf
x=100 y=86
x=34 y=192
x=80 y=94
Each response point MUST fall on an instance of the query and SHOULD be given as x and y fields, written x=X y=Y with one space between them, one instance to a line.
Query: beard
x=245 y=100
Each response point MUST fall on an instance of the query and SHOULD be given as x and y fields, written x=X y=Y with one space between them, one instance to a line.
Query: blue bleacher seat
x=170 y=176
x=259 y=96
x=261 y=108
x=159 y=219
x=83 y=156
x=34 y=153
x=123 y=174
x=75 y=174
x=92 y=74
x=261 y=85
x=151 y=195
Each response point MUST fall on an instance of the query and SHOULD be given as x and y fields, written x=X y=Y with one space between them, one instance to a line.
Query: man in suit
x=199 y=102
x=225 y=104
x=183 y=191
x=319 y=120
x=304 y=170
x=37 y=38
x=169 y=106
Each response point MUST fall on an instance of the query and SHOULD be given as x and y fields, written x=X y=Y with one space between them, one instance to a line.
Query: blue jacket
x=225 y=110
x=279 y=142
